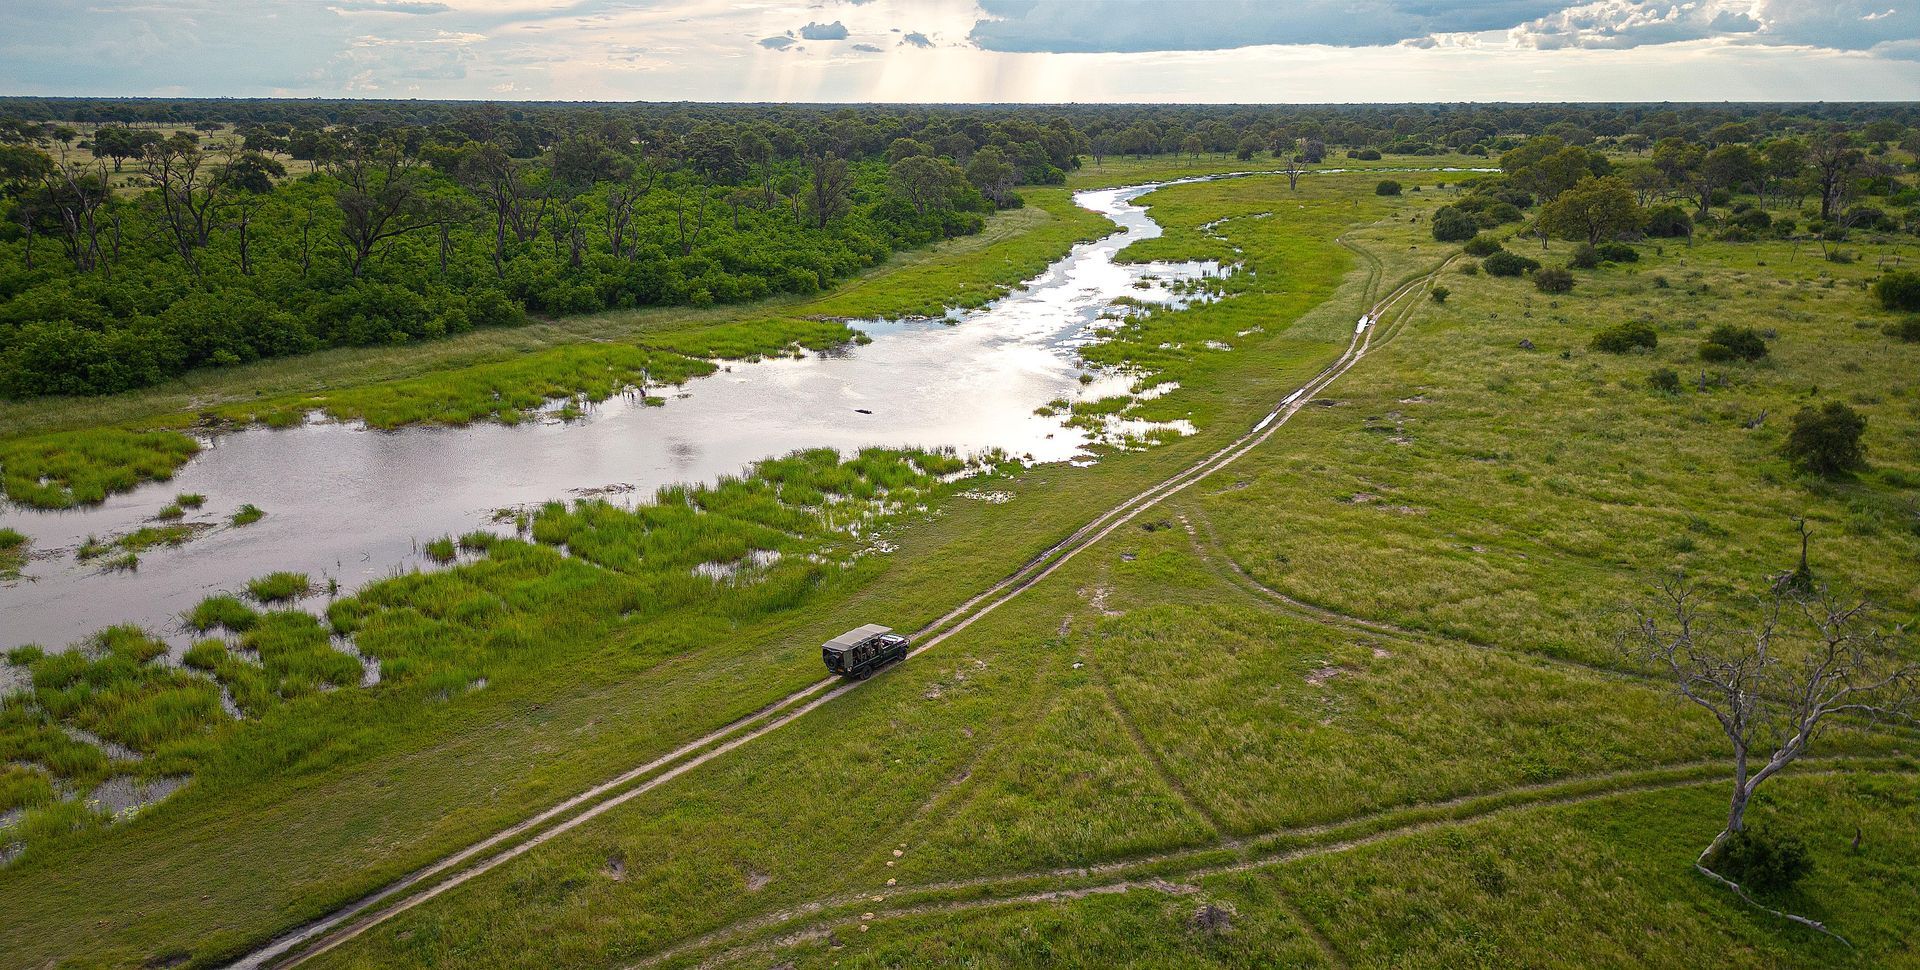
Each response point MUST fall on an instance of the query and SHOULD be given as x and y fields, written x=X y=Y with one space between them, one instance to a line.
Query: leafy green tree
x=827 y=190
x=989 y=172
x=927 y=183
x=1593 y=211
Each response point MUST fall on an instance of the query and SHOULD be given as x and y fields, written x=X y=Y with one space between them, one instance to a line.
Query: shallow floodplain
x=587 y=691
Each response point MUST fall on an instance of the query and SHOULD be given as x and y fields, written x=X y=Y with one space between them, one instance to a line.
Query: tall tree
x=827 y=191
x=379 y=197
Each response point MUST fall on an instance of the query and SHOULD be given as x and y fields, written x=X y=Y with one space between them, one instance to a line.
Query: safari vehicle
x=859 y=652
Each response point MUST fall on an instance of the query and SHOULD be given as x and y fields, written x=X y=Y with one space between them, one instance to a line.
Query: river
x=352 y=505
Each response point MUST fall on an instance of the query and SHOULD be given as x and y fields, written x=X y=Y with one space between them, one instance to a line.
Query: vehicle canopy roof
x=855 y=637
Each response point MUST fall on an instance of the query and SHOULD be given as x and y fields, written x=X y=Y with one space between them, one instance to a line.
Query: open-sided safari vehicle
x=859 y=652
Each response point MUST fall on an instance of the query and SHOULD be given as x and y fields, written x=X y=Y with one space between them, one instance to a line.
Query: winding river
x=352 y=505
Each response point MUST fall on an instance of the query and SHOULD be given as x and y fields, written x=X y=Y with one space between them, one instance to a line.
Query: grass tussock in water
x=247 y=514
x=279 y=587
x=224 y=611
x=72 y=468
x=14 y=546
x=440 y=550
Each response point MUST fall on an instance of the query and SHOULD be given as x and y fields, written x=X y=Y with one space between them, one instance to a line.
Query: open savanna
x=1164 y=725
x=334 y=793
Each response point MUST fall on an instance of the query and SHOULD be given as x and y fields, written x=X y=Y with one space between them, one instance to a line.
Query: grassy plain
x=1349 y=795
x=1161 y=726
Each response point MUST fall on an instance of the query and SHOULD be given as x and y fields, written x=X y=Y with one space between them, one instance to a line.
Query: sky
x=1050 y=51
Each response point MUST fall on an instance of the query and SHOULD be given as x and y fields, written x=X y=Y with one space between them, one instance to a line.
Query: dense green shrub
x=1440 y=294
x=1553 y=279
x=1762 y=861
x=1669 y=222
x=1505 y=263
x=1898 y=290
x=1387 y=187
x=1625 y=337
x=1450 y=224
x=1584 y=257
x=1729 y=343
x=1908 y=329
x=1664 y=380
x=1481 y=245
x=1826 y=441
x=1617 y=252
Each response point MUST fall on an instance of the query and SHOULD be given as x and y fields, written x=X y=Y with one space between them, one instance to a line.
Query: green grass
x=225 y=611
x=440 y=550
x=14 y=546
x=246 y=514
x=72 y=468
x=190 y=500
x=279 y=587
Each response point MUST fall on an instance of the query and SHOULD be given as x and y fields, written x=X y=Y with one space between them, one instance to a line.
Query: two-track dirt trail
x=1378 y=324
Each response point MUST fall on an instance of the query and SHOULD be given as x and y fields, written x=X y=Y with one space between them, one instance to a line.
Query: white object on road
x=1365 y=319
x=1292 y=397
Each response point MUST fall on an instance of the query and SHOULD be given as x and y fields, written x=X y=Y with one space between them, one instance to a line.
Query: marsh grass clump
x=247 y=514
x=170 y=512
x=279 y=587
x=441 y=550
x=225 y=611
x=58 y=471
x=13 y=552
x=189 y=500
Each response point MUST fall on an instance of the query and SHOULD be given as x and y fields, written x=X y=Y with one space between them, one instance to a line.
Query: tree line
x=146 y=237
x=214 y=256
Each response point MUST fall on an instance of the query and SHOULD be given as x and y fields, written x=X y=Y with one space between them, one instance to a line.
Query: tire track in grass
x=330 y=931
x=1152 y=754
x=1156 y=872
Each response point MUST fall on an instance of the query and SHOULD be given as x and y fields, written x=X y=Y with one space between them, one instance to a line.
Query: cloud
x=1141 y=26
x=917 y=39
x=1134 y=26
x=866 y=48
x=1853 y=25
x=832 y=31
x=391 y=6
x=776 y=43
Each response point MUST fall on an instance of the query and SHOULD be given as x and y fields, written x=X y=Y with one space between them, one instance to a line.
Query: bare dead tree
x=1773 y=684
x=1293 y=171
